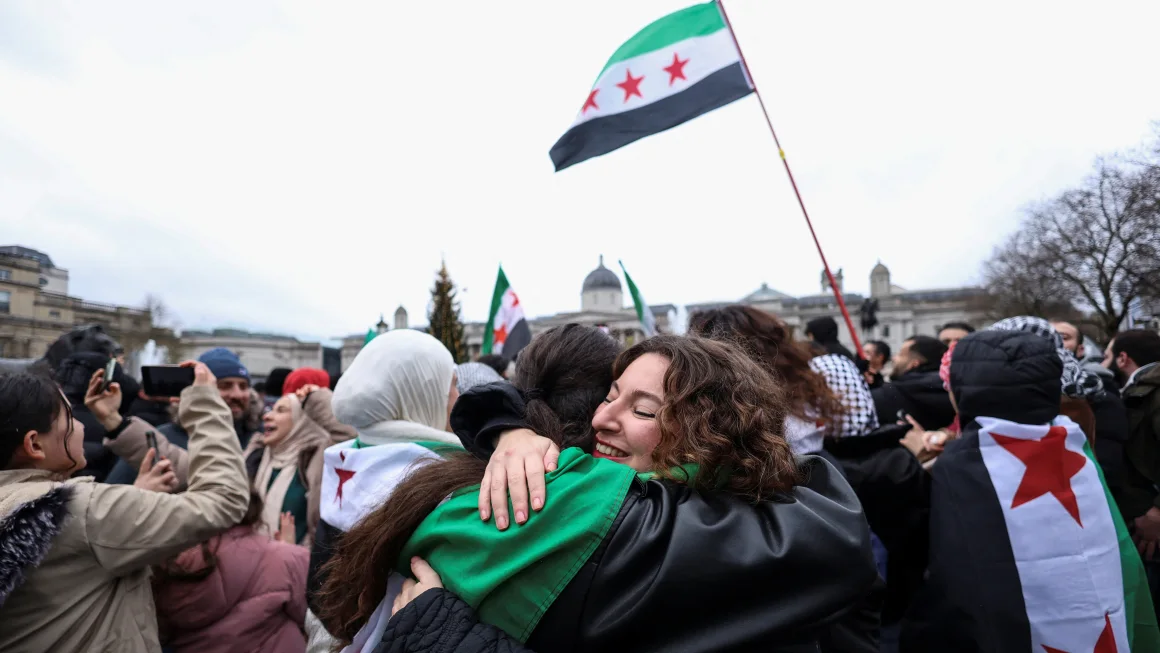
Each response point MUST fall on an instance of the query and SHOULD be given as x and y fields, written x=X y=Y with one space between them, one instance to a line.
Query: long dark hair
x=171 y=571
x=29 y=402
x=569 y=369
x=722 y=412
x=769 y=341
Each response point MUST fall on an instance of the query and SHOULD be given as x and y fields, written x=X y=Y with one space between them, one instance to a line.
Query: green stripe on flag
x=1140 y=617
x=698 y=20
x=642 y=310
x=501 y=286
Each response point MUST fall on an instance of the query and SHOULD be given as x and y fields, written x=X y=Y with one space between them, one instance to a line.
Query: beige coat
x=132 y=447
x=91 y=590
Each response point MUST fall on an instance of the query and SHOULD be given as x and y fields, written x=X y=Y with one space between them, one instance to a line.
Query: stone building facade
x=901 y=313
x=260 y=352
x=36 y=309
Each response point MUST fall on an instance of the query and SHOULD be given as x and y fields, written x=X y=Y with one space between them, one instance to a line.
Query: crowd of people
x=731 y=489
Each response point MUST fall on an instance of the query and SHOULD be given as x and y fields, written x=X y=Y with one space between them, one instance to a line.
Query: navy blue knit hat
x=224 y=364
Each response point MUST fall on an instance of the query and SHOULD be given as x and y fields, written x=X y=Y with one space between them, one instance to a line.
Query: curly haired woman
x=707 y=536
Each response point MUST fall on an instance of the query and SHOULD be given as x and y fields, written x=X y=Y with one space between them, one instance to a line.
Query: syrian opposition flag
x=643 y=313
x=679 y=67
x=507 y=330
x=1028 y=549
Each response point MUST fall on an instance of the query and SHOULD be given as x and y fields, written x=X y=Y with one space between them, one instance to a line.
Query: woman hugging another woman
x=692 y=527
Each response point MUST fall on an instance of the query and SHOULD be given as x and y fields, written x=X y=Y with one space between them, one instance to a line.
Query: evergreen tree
x=443 y=320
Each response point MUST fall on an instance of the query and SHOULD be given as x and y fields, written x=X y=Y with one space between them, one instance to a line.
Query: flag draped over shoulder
x=507 y=330
x=643 y=312
x=1028 y=550
x=679 y=67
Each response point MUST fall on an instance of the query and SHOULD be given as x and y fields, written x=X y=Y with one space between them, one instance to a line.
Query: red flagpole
x=789 y=173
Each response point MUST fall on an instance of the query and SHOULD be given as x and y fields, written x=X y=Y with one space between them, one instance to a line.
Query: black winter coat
x=682 y=571
x=918 y=394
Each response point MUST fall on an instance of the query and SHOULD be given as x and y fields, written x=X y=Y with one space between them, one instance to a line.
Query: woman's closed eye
x=643 y=413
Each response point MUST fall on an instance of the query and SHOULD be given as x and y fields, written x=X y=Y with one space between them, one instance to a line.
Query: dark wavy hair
x=722 y=412
x=566 y=372
x=769 y=341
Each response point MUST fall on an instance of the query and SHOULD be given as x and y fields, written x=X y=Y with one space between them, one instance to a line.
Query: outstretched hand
x=517 y=467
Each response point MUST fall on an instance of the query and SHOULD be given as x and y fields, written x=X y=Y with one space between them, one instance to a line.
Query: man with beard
x=1073 y=342
x=916 y=389
x=1133 y=356
x=233 y=381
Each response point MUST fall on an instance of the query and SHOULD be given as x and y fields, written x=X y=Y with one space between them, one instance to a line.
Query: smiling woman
x=703 y=423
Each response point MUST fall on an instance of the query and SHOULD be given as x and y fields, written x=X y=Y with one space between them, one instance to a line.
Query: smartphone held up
x=110 y=368
x=165 y=380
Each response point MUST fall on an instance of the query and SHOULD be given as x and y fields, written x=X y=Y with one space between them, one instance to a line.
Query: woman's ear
x=31 y=450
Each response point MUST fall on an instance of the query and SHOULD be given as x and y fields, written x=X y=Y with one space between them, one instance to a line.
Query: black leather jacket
x=686 y=571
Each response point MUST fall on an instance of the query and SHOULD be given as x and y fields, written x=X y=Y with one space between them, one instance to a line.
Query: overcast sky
x=300 y=167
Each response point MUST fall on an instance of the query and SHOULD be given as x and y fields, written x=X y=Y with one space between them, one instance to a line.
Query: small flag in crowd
x=643 y=313
x=371 y=333
x=507 y=330
x=679 y=67
x=1072 y=580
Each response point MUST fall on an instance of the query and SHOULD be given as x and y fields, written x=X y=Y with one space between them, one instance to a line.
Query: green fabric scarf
x=512 y=577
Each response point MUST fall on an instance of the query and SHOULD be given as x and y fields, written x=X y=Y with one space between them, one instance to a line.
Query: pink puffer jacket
x=253 y=601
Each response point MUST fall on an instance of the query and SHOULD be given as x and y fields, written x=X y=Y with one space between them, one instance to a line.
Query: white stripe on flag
x=367 y=476
x=705 y=54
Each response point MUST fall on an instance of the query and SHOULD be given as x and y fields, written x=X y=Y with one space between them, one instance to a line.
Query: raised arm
x=316 y=403
x=129 y=528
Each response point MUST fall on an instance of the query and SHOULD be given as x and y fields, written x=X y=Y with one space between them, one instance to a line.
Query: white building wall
x=261 y=355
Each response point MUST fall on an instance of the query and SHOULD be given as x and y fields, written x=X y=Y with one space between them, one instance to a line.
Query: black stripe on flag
x=972 y=600
x=519 y=338
x=603 y=135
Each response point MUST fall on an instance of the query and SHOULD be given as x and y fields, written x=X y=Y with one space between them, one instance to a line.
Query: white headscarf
x=396 y=390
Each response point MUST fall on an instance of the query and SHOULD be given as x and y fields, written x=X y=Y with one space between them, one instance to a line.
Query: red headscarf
x=305 y=376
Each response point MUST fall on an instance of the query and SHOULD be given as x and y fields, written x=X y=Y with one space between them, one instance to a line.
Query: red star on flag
x=344 y=475
x=1050 y=466
x=631 y=85
x=1105 y=644
x=676 y=70
x=590 y=103
x=500 y=334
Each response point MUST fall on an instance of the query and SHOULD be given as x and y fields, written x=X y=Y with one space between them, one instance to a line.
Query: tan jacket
x=132 y=447
x=91 y=590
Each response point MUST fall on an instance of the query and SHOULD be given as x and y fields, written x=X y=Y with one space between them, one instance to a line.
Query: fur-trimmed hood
x=32 y=511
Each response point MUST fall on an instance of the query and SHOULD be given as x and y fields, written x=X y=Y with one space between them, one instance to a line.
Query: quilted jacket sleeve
x=438 y=622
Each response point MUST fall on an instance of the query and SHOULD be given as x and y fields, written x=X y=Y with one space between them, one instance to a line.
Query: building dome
x=879 y=269
x=601 y=279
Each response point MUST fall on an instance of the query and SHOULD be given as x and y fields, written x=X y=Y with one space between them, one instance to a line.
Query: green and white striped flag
x=679 y=67
x=647 y=321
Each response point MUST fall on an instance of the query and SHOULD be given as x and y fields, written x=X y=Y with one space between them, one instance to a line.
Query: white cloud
x=301 y=167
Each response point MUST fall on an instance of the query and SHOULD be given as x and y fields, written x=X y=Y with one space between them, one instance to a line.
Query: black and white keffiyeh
x=1077 y=382
x=843 y=377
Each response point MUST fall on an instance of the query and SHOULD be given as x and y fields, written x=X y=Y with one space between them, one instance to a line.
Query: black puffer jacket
x=684 y=571
x=964 y=605
x=895 y=494
x=918 y=393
